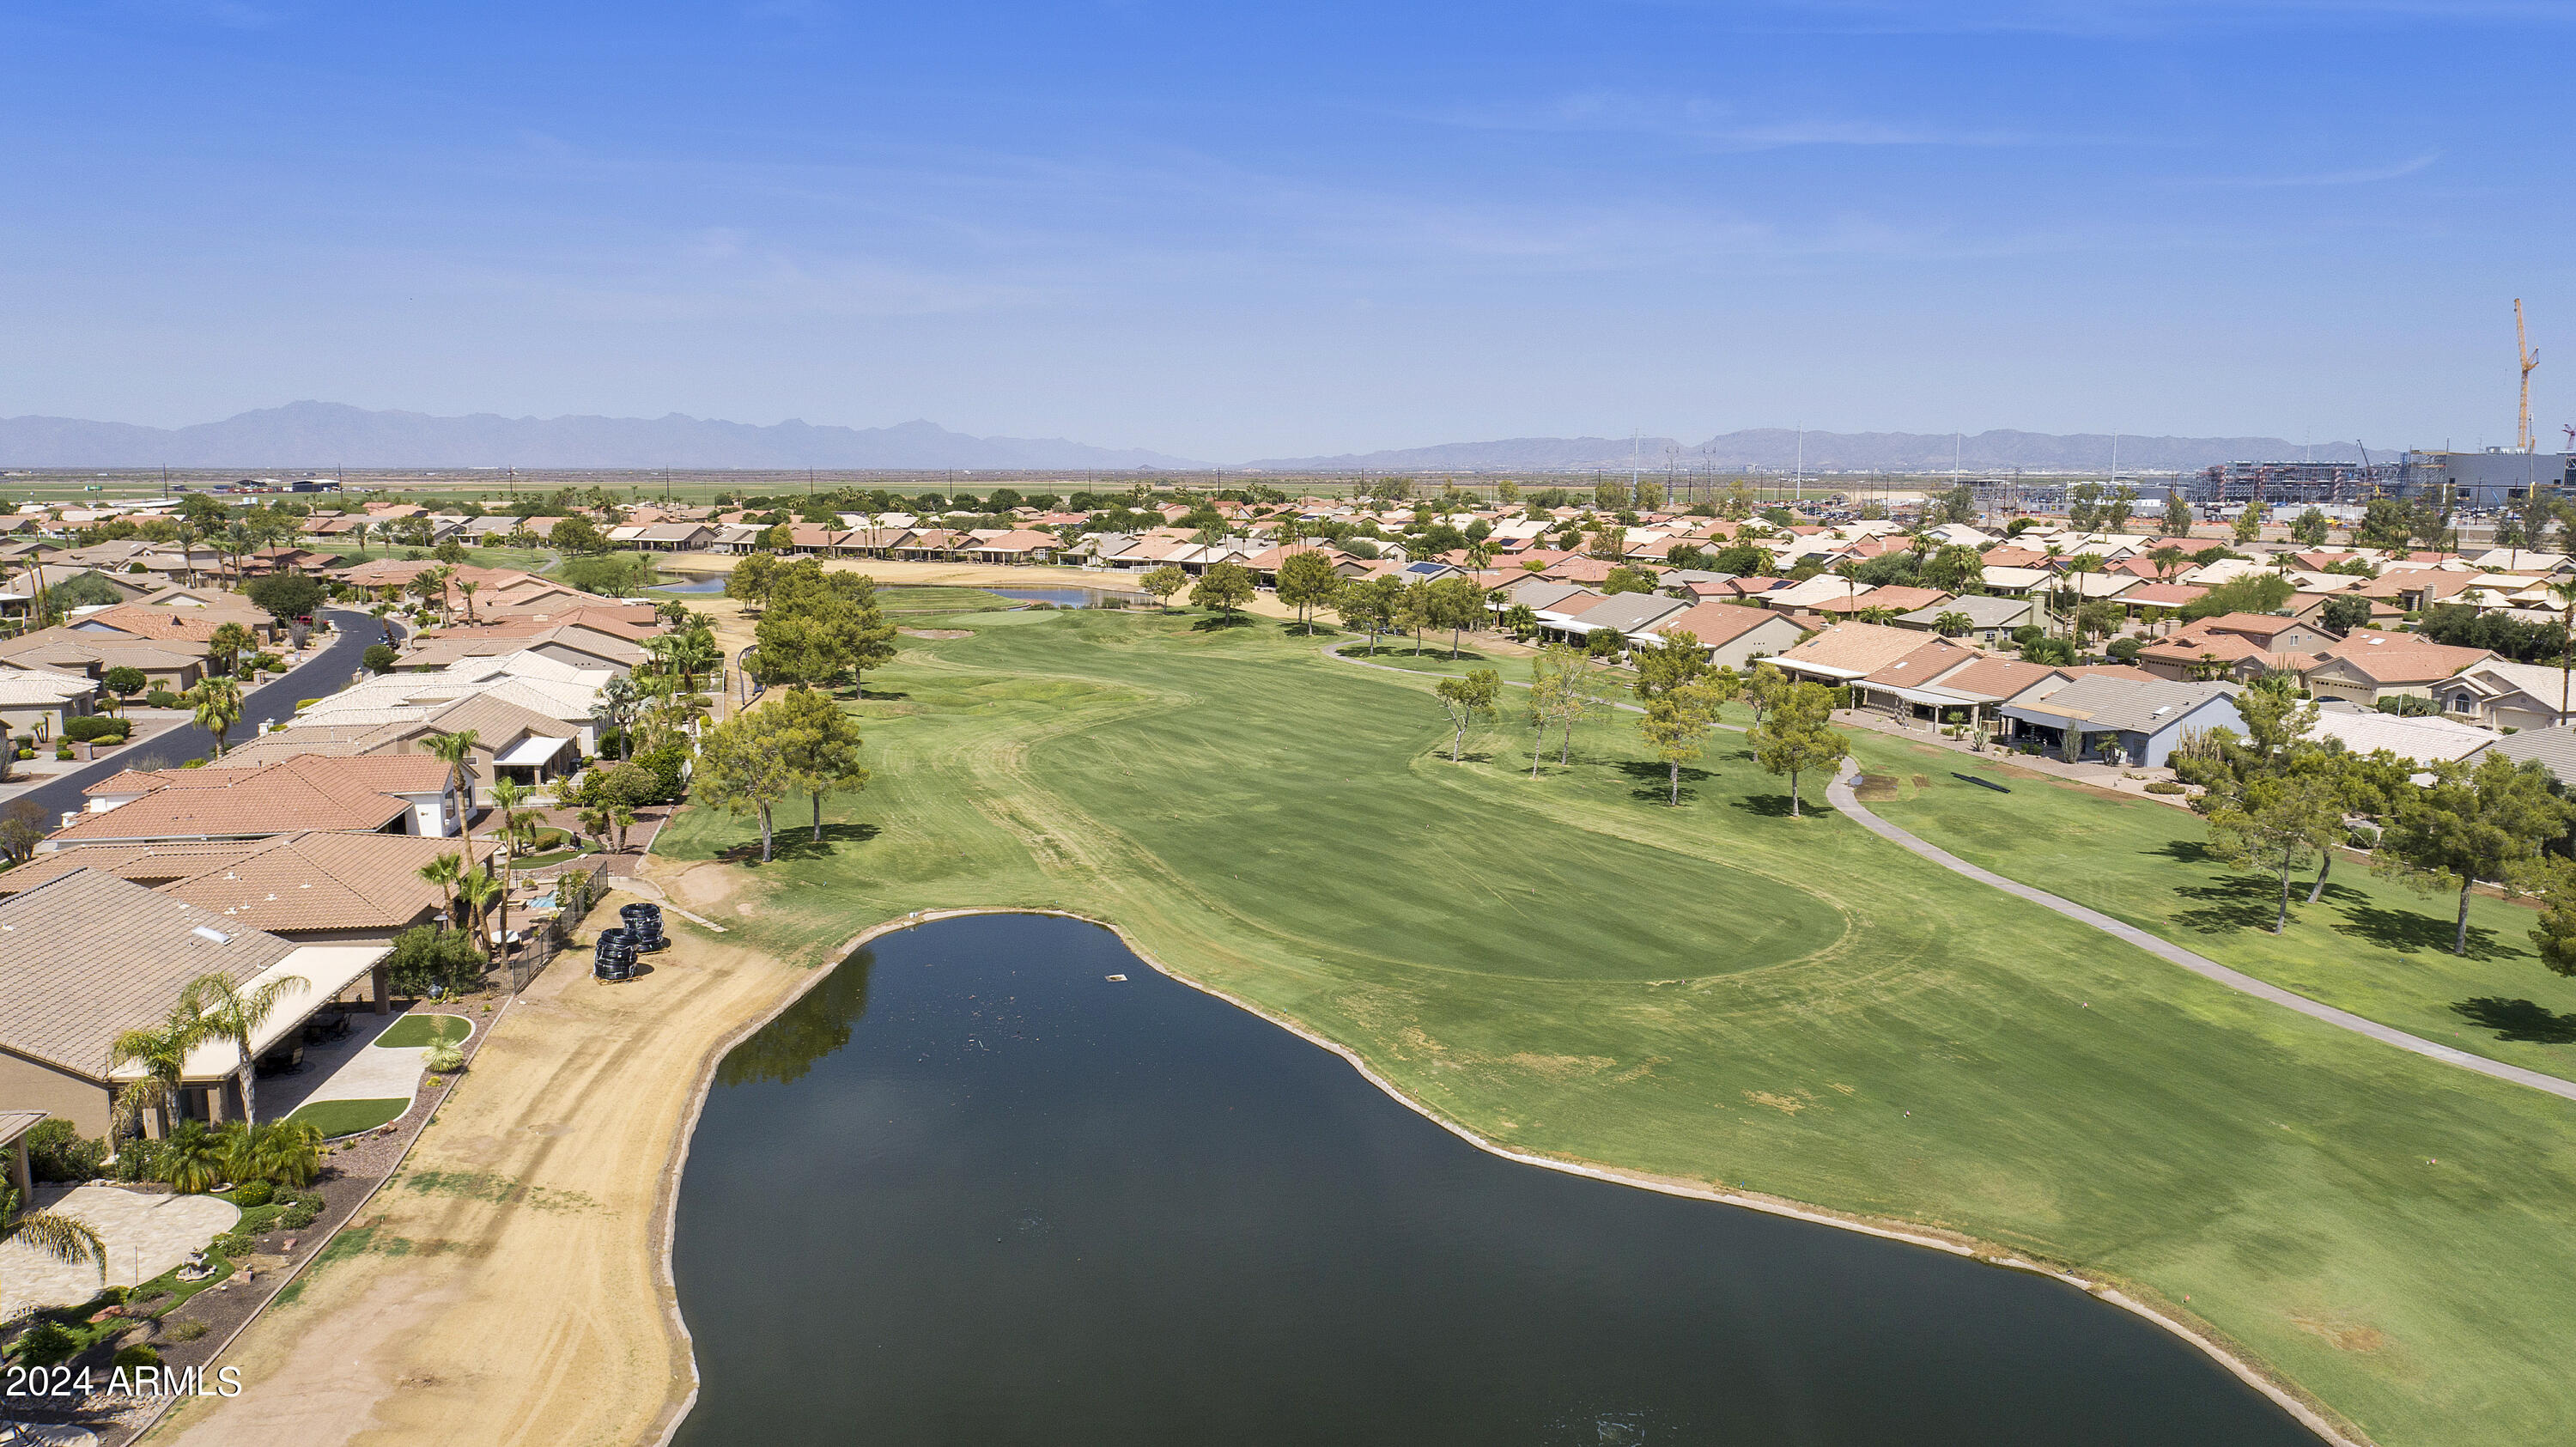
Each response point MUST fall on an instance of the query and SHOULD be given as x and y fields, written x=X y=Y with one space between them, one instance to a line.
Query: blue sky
x=1230 y=231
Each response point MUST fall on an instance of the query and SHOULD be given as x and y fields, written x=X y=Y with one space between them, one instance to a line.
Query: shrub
x=46 y=1344
x=63 y=750
x=137 y=1355
x=253 y=1193
x=446 y=1058
x=86 y=730
x=2165 y=786
x=161 y=698
x=189 y=1330
x=138 y=1159
x=301 y=1214
x=56 y=1152
x=379 y=658
x=269 y=663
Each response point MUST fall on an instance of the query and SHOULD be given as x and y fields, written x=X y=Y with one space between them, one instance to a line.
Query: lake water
x=1061 y=597
x=695 y=585
x=968 y=1190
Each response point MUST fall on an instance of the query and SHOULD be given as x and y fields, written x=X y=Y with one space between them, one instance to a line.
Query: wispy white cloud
x=2360 y=176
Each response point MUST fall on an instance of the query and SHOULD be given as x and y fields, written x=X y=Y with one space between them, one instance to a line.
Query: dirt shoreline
x=411 y=1329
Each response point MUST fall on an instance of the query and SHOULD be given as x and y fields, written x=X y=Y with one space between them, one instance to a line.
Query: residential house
x=2368 y=667
x=381 y=794
x=1626 y=614
x=1990 y=619
x=87 y=956
x=1848 y=652
x=307 y=887
x=2499 y=693
x=510 y=741
x=2423 y=739
x=1734 y=634
x=2141 y=722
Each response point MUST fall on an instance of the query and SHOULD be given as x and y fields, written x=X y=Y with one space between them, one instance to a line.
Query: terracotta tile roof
x=2413 y=661
x=2253 y=625
x=307 y=792
x=1854 y=649
x=1716 y=624
x=286 y=883
x=88 y=956
x=2192 y=645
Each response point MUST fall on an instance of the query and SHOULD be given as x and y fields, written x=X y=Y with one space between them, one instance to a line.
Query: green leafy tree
x=2311 y=528
x=1307 y=582
x=1369 y=605
x=1674 y=660
x=2177 y=519
x=743 y=769
x=287 y=596
x=1676 y=725
x=1163 y=582
x=2471 y=823
x=1456 y=603
x=748 y=583
x=1627 y=579
x=2552 y=880
x=2345 y=612
x=1224 y=587
x=821 y=743
x=1466 y=700
x=125 y=681
x=428 y=955
x=2277 y=824
x=1796 y=735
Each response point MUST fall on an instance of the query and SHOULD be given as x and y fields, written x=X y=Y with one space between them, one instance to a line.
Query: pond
x=1070 y=597
x=970 y=1189
x=694 y=585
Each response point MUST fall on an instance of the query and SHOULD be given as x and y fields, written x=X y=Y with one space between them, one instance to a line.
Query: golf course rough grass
x=1715 y=992
x=2372 y=946
x=335 y=1118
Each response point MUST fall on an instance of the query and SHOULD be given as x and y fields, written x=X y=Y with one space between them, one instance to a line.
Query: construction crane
x=2523 y=441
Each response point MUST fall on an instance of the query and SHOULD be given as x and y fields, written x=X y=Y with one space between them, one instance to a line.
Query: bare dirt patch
x=2344 y=1335
x=936 y=633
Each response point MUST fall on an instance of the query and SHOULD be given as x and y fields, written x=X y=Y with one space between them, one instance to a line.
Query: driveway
x=324 y=673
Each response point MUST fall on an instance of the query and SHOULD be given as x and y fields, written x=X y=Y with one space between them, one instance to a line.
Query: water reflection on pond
x=969 y=1190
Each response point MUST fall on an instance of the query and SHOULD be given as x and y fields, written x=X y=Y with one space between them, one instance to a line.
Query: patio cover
x=534 y=749
x=325 y=969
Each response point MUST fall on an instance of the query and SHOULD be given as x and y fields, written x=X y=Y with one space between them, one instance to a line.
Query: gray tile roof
x=86 y=957
x=2128 y=705
x=1628 y=612
x=2555 y=748
x=1983 y=610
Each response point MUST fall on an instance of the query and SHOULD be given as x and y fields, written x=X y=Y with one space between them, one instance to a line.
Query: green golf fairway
x=1715 y=992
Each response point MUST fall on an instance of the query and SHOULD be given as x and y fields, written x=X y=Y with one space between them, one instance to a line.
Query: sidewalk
x=44 y=768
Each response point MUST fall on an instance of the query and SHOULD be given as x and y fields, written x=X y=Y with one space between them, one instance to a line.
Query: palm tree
x=466 y=586
x=623 y=817
x=191 y=1158
x=238 y=541
x=1953 y=623
x=456 y=750
x=218 y=702
x=445 y=871
x=162 y=1051
x=694 y=653
x=476 y=889
x=288 y=1152
x=228 y=1012
x=51 y=1232
x=229 y=641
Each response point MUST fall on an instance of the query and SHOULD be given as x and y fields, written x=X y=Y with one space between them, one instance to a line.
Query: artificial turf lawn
x=413 y=1031
x=2372 y=946
x=336 y=1118
x=1712 y=992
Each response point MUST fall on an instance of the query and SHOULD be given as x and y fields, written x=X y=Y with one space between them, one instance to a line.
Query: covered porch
x=210 y=1080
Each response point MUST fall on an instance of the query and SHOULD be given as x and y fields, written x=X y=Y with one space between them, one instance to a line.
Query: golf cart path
x=1838 y=792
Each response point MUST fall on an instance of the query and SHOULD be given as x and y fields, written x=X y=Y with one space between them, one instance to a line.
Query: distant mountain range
x=323 y=435
x=1780 y=449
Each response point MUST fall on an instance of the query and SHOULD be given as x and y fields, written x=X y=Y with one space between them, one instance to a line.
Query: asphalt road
x=324 y=673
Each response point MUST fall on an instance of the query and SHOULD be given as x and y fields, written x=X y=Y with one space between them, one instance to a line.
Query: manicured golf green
x=1713 y=992
x=413 y=1031
x=335 y=1118
x=2372 y=946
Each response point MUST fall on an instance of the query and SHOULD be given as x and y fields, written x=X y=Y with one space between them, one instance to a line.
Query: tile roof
x=1717 y=624
x=2412 y=661
x=2129 y=705
x=309 y=880
x=88 y=956
x=307 y=792
x=1854 y=649
x=2553 y=749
